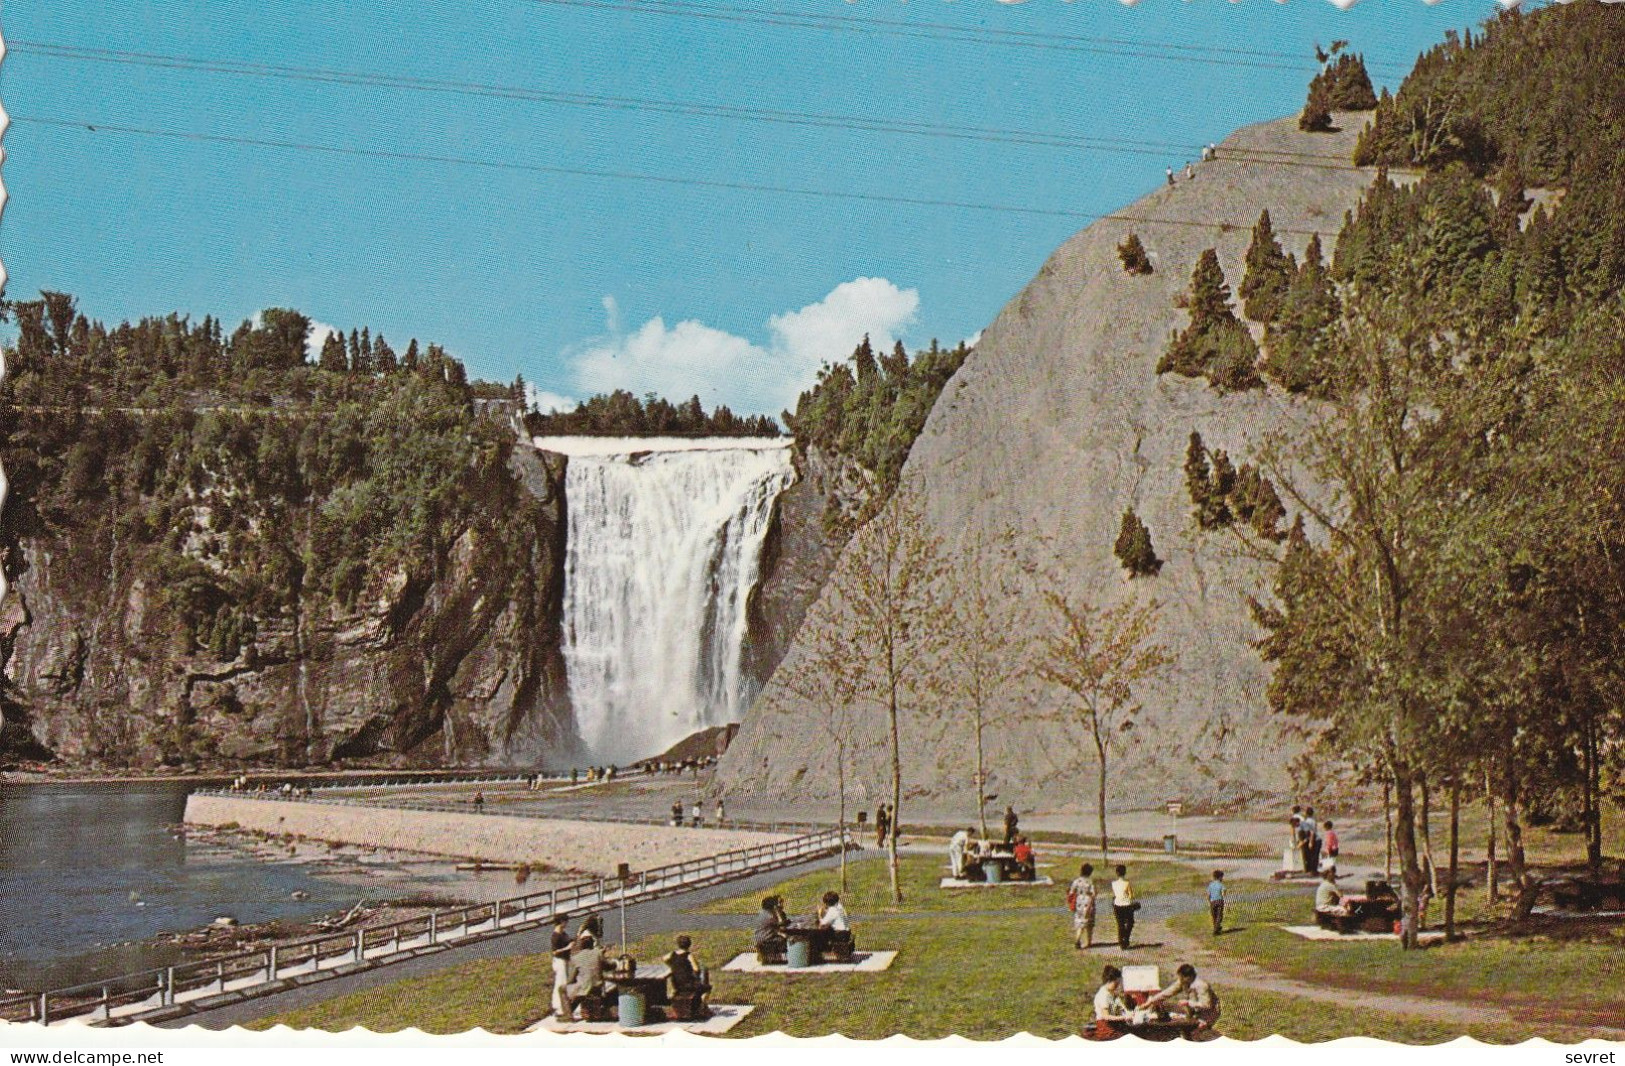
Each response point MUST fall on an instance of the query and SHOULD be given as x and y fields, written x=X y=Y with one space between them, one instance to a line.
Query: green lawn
x=869 y=887
x=1570 y=981
x=983 y=976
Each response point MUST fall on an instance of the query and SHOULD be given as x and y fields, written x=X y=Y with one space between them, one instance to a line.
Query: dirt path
x=1227 y=969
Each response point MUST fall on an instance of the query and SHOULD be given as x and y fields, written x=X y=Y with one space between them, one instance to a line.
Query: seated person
x=689 y=984
x=770 y=925
x=1026 y=861
x=586 y=970
x=1110 y=1003
x=831 y=915
x=973 y=860
x=1327 y=899
x=1191 y=996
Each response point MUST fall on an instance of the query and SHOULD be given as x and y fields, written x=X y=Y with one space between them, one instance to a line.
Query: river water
x=88 y=872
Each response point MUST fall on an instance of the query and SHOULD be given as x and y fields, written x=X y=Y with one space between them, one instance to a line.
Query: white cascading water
x=664 y=548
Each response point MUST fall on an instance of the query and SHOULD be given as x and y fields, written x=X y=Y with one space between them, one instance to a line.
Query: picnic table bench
x=824 y=945
x=1140 y=983
x=1375 y=911
x=1584 y=892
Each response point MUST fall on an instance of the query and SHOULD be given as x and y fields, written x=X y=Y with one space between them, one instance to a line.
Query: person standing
x=561 y=969
x=1010 y=824
x=882 y=825
x=1082 y=896
x=721 y=813
x=1306 y=842
x=1215 y=901
x=1312 y=860
x=697 y=813
x=1328 y=861
x=1170 y=175
x=1123 y=907
x=958 y=844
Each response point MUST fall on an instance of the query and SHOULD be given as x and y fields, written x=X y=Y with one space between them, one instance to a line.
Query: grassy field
x=983 y=976
x=1566 y=981
x=869 y=887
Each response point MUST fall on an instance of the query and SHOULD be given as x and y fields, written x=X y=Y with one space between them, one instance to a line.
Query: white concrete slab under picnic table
x=724 y=1016
x=950 y=882
x=1315 y=932
x=862 y=962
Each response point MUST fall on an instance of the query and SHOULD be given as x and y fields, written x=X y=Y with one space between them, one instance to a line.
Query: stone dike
x=558 y=844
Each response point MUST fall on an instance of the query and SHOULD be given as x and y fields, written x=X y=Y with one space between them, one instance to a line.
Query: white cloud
x=547 y=402
x=690 y=357
x=319 y=332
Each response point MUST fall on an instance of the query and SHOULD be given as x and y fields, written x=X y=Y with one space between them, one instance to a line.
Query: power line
x=1075 y=142
x=1217 y=56
x=619 y=175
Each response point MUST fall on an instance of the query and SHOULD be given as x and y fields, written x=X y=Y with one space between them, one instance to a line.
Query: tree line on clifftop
x=240 y=481
x=1448 y=598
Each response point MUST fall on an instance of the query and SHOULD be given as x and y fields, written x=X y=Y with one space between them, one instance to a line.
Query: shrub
x=1134 y=257
x=1134 y=549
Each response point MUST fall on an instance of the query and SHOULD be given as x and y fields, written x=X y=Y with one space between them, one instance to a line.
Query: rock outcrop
x=458 y=667
x=1056 y=423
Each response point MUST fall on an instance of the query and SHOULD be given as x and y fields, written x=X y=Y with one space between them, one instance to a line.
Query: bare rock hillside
x=1056 y=423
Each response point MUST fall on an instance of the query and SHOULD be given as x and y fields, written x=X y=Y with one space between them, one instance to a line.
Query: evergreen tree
x=1316 y=116
x=1348 y=85
x=1134 y=549
x=332 y=357
x=1269 y=273
x=1215 y=344
x=1298 y=340
x=1134 y=256
x=383 y=356
x=410 y=359
x=363 y=365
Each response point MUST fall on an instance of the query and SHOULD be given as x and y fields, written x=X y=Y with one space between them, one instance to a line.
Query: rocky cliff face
x=1054 y=425
x=458 y=667
x=812 y=520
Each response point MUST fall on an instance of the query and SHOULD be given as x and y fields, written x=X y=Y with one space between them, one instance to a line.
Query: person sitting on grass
x=1192 y=997
x=688 y=981
x=1110 y=1003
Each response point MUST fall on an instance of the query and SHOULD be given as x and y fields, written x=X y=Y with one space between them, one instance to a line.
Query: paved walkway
x=664 y=915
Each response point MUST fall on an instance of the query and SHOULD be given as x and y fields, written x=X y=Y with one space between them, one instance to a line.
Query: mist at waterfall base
x=664 y=548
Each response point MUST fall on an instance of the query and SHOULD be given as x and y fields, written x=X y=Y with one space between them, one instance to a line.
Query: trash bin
x=1170 y=843
x=798 y=953
x=994 y=871
x=632 y=1008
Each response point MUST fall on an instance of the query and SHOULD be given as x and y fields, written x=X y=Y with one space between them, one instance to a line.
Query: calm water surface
x=71 y=855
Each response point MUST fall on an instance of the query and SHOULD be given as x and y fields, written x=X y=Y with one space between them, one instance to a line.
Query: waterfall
x=664 y=548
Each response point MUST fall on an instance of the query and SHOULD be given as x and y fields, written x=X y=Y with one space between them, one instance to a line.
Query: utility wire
x=1077 y=142
x=620 y=175
x=1217 y=56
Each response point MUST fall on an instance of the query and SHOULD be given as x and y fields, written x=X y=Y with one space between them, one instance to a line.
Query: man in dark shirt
x=1010 y=824
x=689 y=985
x=770 y=924
x=561 y=968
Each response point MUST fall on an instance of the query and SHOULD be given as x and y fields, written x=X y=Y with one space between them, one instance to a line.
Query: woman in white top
x=1110 y=1005
x=1123 y=907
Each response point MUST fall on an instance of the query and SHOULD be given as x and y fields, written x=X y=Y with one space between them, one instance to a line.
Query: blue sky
x=588 y=282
